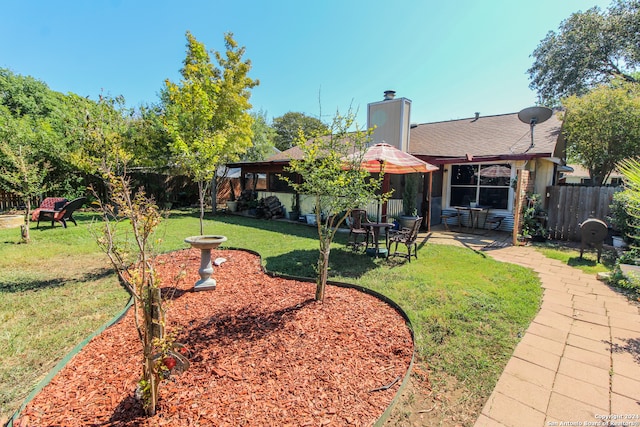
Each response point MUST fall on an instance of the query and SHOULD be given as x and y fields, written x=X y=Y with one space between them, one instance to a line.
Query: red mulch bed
x=262 y=352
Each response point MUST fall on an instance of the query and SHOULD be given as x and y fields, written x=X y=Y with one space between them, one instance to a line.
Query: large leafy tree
x=65 y=118
x=289 y=125
x=332 y=174
x=603 y=127
x=588 y=49
x=207 y=112
x=30 y=100
x=82 y=135
x=25 y=95
x=101 y=134
x=147 y=139
x=262 y=141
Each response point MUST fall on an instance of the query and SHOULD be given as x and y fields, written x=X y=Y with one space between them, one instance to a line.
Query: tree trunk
x=201 y=200
x=157 y=314
x=214 y=195
x=154 y=320
x=323 y=270
x=152 y=381
x=24 y=229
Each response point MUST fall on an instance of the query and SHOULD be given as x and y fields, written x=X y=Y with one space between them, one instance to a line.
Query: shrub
x=532 y=214
x=620 y=219
x=632 y=282
x=410 y=194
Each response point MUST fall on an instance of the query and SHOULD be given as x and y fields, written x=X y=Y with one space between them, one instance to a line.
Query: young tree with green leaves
x=603 y=127
x=131 y=254
x=22 y=171
x=207 y=112
x=332 y=173
x=589 y=49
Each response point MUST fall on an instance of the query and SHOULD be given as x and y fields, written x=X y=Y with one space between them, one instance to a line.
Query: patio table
x=474 y=215
x=375 y=228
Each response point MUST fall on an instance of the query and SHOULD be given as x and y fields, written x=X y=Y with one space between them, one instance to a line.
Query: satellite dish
x=534 y=115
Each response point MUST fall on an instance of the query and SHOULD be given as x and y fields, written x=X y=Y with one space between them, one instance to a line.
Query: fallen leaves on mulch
x=262 y=352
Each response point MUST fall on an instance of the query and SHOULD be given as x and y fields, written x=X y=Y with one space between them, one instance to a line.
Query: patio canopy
x=395 y=161
x=387 y=159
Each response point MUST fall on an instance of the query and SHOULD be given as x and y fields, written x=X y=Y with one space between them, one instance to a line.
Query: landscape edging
x=384 y=298
x=362 y=289
x=61 y=364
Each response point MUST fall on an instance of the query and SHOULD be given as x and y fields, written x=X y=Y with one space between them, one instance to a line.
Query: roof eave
x=261 y=167
x=440 y=160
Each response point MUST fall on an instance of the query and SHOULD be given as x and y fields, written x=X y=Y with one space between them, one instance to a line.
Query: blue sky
x=451 y=58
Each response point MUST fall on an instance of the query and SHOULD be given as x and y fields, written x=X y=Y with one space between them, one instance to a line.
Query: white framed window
x=487 y=185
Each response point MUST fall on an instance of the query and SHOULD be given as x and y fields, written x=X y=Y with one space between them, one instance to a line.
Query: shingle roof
x=292 y=153
x=487 y=136
x=500 y=135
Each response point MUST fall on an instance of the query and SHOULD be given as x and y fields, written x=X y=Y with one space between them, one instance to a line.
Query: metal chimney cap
x=389 y=94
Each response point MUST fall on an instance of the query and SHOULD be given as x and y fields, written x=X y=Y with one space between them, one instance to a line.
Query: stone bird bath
x=205 y=244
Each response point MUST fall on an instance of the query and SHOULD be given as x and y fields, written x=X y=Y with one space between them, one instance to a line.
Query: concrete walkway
x=578 y=362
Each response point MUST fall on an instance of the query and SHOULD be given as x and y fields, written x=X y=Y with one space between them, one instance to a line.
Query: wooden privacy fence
x=568 y=206
x=8 y=201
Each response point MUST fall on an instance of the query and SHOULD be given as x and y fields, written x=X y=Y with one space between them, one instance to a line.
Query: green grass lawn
x=571 y=256
x=467 y=309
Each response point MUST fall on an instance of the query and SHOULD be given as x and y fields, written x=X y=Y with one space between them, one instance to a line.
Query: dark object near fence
x=594 y=231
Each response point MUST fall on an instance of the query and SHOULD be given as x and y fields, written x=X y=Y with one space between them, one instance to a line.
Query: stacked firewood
x=247 y=200
x=270 y=207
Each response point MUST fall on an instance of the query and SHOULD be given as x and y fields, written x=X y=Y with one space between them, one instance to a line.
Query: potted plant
x=534 y=219
x=232 y=205
x=409 y=200
x=294 y=214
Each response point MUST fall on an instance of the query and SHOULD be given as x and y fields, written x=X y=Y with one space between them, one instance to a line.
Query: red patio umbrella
x=386 y=158
x=395 y=161
x=495 y=171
